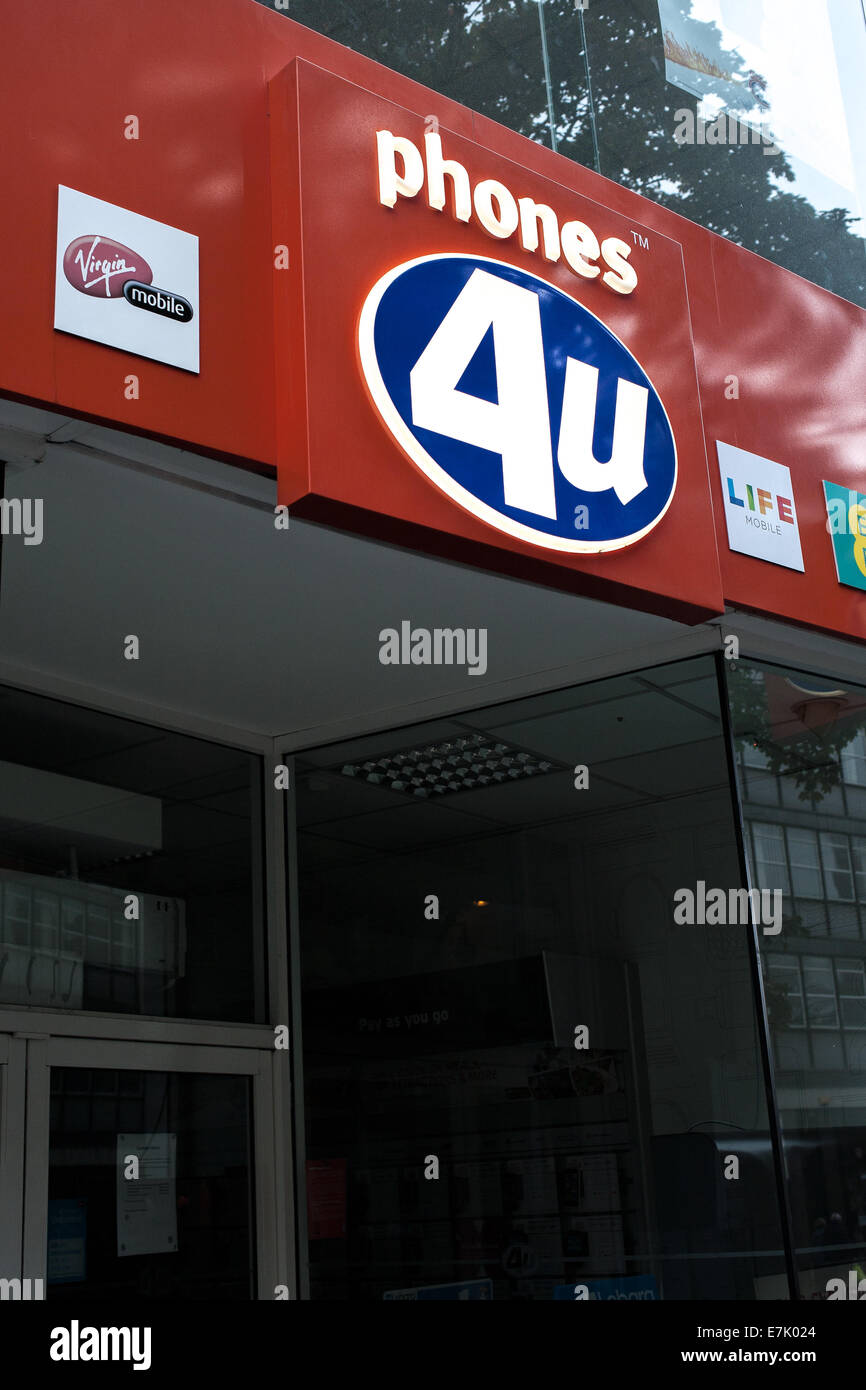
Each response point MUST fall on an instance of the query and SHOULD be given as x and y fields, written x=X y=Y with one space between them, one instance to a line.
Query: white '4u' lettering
x=517 y=425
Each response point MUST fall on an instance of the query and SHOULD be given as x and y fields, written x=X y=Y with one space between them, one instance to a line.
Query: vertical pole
x=596 y=158
x=546 y=61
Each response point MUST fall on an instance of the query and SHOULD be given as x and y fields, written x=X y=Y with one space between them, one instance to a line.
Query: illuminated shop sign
x=477 y=359
x=402 y=171
x=518 y=403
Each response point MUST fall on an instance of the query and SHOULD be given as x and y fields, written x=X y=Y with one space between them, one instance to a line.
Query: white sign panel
x=125 y=280
x=760 y=511
x=147 y=1204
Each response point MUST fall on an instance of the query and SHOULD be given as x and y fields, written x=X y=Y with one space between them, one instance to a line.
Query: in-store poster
x=326 y=1198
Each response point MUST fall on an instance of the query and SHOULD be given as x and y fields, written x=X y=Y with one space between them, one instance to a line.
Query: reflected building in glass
x=801 y=752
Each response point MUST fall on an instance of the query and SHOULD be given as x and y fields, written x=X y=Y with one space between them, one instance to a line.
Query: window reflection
x=455 y=937
x=811 y=736
x=723 y=110
x=130 y=867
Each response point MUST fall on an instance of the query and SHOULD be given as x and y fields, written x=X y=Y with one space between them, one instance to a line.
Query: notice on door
x=146 y=1194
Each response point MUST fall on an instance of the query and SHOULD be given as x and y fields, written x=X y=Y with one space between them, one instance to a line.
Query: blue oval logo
x=518 y=403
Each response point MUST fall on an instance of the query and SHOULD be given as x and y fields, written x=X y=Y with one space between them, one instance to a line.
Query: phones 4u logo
x=468 y=359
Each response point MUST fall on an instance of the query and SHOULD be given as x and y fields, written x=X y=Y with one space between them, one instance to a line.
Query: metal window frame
x=276 y=1260
x=759 y=994
x=43 y=1053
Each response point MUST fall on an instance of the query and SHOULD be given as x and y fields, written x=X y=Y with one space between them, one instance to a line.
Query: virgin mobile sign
x=495 y=367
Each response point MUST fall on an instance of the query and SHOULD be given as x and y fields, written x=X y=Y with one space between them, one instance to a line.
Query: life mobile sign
x=479 y=362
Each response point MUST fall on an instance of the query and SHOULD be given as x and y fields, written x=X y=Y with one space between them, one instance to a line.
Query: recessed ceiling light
x=454 y=765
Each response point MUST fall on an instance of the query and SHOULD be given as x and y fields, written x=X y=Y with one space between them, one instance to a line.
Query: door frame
x=46 y=1052
x=13 y=1053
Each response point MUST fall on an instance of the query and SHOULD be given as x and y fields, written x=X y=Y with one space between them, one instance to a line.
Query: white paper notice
x=146 y=1204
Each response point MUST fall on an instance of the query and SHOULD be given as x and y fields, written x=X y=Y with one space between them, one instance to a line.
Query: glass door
x=143 y=1164
x=12 y=1065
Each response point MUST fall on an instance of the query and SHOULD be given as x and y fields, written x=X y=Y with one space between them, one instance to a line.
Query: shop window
x=130 y=867
x=814 y=745
x=467 y=905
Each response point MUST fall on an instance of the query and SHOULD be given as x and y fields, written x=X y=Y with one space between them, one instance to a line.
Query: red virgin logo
x=99 y=266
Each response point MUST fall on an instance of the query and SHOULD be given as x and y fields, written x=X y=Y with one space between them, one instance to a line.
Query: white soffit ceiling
x=240 y=624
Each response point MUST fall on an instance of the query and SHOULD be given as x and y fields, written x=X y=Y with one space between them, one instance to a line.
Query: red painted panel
x=800 y=357
x=352 y=467
x=195 y=75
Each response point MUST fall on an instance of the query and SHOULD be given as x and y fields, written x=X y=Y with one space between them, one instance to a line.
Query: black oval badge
x=157 y=301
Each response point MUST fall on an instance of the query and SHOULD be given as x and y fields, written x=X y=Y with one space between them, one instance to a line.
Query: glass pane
x=130 y=867
x=822 y=1011
x=771 y=867
x=805 y=724
x=837 y=866
x=460 y=928
x=183 y=1227
x=851 y=975
x=854 y=760
x=854 y=1013
x=753 y=756
x=805 y=864
x=700 y=106
x=703 y=108
x=784 y=990
x=818 y=974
